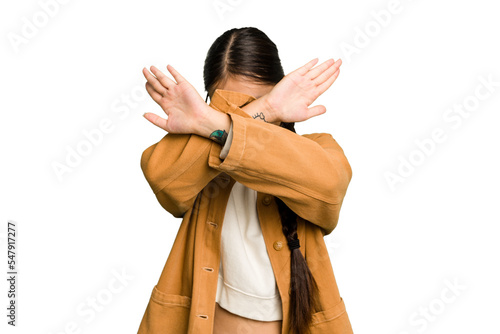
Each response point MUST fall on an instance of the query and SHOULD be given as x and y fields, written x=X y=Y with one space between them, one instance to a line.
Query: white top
x=246 y=286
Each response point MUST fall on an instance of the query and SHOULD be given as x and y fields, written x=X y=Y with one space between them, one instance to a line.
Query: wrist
x=262 y=109
x=214 y=125
x=271 y=109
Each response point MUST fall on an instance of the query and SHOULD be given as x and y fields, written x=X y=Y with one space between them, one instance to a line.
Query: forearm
x=216 y=124
x=177 y=169
x=310 y=173
x=260 y=109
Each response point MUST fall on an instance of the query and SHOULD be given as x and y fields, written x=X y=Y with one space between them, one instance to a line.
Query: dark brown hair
x=249 y=53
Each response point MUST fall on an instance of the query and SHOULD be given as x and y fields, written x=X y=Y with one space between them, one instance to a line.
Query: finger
x=156 y=120
x=320 y=69
x=304 y=69
x=153 y=93
x=317 y=110
x=154 y=82
x=179 y=78
x=325 y=85
x=328 y=73
x=164 y=80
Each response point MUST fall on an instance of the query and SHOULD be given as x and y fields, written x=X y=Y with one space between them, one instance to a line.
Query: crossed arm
x=288 y=101
x=313 y=172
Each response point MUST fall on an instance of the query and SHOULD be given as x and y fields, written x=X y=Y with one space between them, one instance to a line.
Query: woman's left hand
x=184 y=107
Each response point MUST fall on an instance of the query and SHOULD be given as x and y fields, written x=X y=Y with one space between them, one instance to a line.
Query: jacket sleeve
x=177 y=169
x=309 y=173
x=227 y=145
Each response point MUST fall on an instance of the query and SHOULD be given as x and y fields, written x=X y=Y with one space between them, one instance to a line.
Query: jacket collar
x=230 y=101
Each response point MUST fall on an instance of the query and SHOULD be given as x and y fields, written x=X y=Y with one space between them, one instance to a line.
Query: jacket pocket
x=333 y=320
x=168 y=299
x=165 y=314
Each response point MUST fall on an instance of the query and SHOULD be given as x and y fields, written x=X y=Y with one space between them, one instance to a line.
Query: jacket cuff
x=236 y=149
x=227 y=145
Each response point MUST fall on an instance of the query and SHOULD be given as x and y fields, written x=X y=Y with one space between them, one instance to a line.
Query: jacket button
x=266 y=200
x=278 y=245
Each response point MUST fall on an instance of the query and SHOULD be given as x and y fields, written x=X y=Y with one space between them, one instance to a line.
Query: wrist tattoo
x=219 y=136
x=260 y=116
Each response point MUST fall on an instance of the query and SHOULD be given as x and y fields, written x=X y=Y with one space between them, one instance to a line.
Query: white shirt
x=246 y=285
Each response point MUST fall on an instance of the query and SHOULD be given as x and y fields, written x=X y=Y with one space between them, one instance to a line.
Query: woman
x=238 y=164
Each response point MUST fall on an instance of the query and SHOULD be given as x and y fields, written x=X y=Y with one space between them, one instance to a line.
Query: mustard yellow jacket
x=310 y=173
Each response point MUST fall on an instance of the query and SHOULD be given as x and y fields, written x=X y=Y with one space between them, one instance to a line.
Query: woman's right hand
x=290 y=99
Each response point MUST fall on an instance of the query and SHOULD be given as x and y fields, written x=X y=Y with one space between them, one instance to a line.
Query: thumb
x=156 y=120
x=317 y=110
